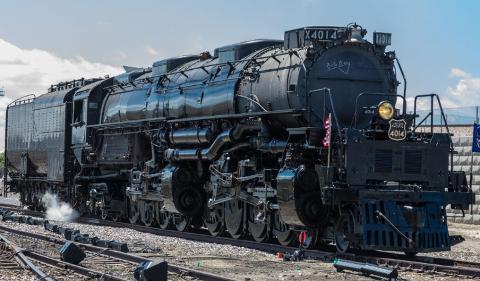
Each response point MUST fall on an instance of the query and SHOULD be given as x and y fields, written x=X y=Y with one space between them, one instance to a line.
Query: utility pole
x=476 y=114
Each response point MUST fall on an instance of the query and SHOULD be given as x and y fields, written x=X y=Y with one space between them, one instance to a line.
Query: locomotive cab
x=86 y=102
x=79 y=118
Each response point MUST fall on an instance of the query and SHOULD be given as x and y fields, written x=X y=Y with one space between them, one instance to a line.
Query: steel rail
x=193 y=236
x=75 y=268
x=418 y=263
x=201 y=275
x=19 y=253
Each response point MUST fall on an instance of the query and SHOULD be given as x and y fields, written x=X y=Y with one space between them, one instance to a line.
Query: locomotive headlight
x=386 y=110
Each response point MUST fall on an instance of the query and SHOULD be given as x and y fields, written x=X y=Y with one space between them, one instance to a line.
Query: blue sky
x=430 y=37
x=48 y=41
x=436 y=41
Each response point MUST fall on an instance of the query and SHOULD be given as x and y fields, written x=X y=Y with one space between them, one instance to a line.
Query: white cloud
x=27 y=71
x=465 y=93
x=151 y=51
x=457 y=72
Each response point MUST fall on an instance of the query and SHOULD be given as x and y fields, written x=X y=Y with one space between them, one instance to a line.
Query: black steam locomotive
x=263 y=138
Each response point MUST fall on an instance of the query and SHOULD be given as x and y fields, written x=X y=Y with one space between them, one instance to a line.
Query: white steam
x=57 y=210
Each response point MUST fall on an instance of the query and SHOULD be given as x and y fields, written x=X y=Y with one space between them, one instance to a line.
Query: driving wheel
x=234 y=218
x=344 y=228
x=133 y=212
x=214 y=220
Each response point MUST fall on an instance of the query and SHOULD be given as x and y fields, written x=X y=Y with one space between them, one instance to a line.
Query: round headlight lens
x=386 y=110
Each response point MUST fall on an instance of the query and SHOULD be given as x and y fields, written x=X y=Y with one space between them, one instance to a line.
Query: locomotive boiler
x=260 y=139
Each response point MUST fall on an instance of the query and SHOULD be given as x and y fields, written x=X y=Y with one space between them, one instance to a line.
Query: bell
x=355 y=35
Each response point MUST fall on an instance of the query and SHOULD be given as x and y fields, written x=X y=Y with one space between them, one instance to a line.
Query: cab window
x=78 y=111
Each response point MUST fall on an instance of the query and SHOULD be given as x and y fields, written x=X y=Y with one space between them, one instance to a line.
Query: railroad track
x=6 y=259
x=102 y=256
x=80 y=270
x=420 y=264
x=88 y=270
x=8 y=250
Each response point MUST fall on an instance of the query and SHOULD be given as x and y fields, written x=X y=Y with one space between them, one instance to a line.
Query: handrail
x=231 y=64
x=404 y=79
x=325 y=92
x=421 y=122
x=432 y=96
x=20 y=98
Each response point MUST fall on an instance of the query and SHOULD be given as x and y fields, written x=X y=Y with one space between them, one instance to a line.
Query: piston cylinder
x=191 y=136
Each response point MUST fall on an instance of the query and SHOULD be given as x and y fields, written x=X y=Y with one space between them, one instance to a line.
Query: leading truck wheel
x=343 y=230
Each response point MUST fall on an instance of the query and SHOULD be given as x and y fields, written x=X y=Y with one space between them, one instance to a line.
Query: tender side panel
x=19 y=130
x=48 y=141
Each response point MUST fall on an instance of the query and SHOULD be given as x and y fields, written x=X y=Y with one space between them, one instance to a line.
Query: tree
x=2 y=159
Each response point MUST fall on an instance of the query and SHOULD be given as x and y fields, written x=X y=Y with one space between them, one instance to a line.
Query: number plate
x=397 y=130
x=320 y=34
x=382 y=39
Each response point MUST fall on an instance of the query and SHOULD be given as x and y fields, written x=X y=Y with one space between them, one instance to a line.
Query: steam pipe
x=227 y=136
x=273 y=146
x=221 y=140
x=240 y=129
x=108 y=176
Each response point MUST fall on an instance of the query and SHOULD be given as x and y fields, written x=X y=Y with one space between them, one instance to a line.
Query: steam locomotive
x=262 y=139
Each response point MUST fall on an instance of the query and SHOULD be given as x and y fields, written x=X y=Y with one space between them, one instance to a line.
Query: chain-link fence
x=455 y=116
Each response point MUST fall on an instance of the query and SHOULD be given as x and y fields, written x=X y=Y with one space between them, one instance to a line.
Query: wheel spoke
x=163 y=219
x=285 y=236
x=181 y=222
x=234 y=219
x=133 y=212
x=214 y=220
x=343 y=229
x=148 y=215
x=258 y=229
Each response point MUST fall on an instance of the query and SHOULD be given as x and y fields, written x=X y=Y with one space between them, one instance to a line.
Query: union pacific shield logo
x=397 y=130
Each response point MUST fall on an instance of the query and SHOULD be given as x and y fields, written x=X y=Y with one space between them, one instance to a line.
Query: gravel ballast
x=246 y=264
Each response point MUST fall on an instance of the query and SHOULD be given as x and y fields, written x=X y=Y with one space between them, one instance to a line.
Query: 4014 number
x=320 y=34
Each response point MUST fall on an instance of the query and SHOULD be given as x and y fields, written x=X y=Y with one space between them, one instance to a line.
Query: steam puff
x=57 y=210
